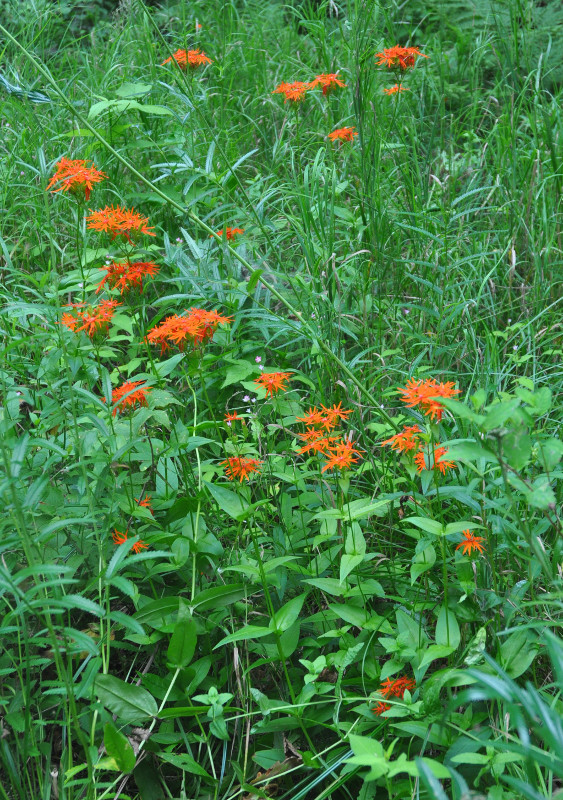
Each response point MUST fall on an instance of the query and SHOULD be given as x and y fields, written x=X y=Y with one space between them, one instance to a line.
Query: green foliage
x=385 y=630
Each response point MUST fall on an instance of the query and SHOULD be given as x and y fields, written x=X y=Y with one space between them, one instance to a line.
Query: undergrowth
x=280 y=380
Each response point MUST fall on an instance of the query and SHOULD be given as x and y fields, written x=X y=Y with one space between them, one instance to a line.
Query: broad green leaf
x=347 y=564
x=229 y=502
x=517 y=448
x=433 y=652
x=447 y=629
x=184 y=762
x=288 y=614
x=470 y=451
x=248 y=632
x=425 y=524
x=517 y=652
x=470 y=758
x=499 y=414
x=183 y=640
x=118 y=747
x=130 y=703
x=127 y=90
x=422 y=562
x=218 y=597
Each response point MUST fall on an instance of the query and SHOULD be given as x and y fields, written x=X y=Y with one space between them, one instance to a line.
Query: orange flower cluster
x=396 y=89
x=439 y=453
x=145 y=502
x=198 y=326
x=340 y=453
x=233 y=416
x=393 y=688
x=424 y=393
x=128 y=396
x=294 y=92
x=239 y=467
x=92 y=320
x=343 y=135
x=470 y=543
x=76 y=177
x=328 y=82
x=397 y=56
x=118 y=222
x=273 y=382
x=125 y=275
x=120 y=538
x=188 y=59
x=404 y=441
x=230 y=233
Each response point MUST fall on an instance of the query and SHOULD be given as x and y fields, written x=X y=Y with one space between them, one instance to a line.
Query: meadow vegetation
x=281 y=400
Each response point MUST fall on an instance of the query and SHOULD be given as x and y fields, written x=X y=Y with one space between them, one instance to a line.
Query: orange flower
x=332 y=415
x=238 y=467
x=295 y=92
x=124 y=275
x=312 y=417
x=135 y=397
x=438 y=464
x=273 y=382
x=316 y=441
x=118 y=222
x=396 y=687
x=75 y=177
x=230 y=233
x=341 y=456
x=405 y=440
x=145 y=502
x=198 y=325
x=188 y=58
x=470 y=543
x=328 y=82
x=93 y=319
x=403 y=57
x=233 y=417
x=393 y=688
x=424 y=393
x=119 y=538
x=396 y=89
x=342 y=135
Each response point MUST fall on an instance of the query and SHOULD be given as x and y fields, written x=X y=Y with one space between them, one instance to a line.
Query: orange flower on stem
x=188 y=59
x=439 y=453
x=343 y=135
x=128 y=396
x=397 y=56
x=92 y=320
x=273 y=382
x=316 y=441
x=233 y=417
x=294 y=92
x=238 y=467
x=404 y=441
x=396 y=89
x=328 y=82
x=341 y=456
x=76 y=177
x=230 y=233
x=470 y=543
x=145 y=502
x=330 y=416
x=120 y=538
x=126 y=275
x=312 y=417
x=198 y=326
x=393 y=688
x=118 y=222
x=425 y=393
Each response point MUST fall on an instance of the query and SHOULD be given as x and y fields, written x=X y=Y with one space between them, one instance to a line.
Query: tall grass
x=316 y=630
